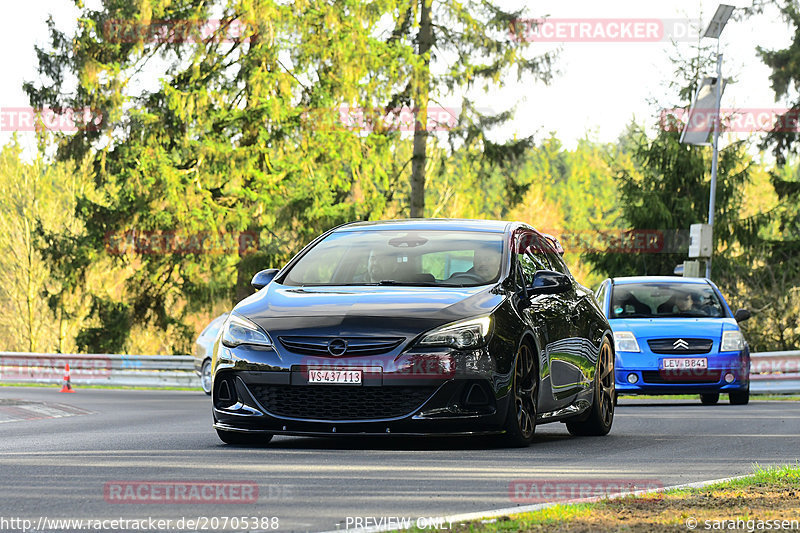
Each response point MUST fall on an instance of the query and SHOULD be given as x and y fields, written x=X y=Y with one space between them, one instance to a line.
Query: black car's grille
x=340 y=402
x=688 y=377
x=680 y=346
x=355 y=345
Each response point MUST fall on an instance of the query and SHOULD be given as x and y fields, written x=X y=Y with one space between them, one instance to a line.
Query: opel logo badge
x=679 y=344
x=337 y=347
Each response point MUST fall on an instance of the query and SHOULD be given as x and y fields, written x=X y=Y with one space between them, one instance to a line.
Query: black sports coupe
x=459 y=327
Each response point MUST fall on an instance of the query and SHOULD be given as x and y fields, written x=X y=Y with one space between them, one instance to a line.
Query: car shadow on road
x=400 y=443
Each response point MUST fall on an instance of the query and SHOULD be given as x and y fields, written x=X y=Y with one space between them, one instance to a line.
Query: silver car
x=204 y=349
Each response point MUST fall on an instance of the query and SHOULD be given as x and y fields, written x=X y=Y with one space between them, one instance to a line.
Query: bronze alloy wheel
x=606 y=384
x=521 y=421
x=601 y=414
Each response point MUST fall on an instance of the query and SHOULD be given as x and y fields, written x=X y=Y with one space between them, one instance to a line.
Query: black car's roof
x=494 y=226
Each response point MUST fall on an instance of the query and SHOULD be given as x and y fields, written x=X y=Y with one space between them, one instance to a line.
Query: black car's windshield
x=408 y=257
x=655 y=300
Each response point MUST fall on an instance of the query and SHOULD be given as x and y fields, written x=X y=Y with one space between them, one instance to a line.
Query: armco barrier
x=770 y=372
x=775 y=372
x=100 y=369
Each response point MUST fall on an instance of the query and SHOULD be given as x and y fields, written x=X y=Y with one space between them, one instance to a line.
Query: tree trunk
x=422 y=88
x=30 y=288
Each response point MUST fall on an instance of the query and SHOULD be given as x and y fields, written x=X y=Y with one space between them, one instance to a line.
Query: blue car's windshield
x=656 y=300
x=391 y=257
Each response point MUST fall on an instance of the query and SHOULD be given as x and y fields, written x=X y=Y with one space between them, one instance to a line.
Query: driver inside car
x=381 y=267
x=680 y=303
x=485 y=263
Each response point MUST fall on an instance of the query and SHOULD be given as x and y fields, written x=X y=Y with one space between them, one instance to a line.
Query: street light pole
x=713 y=195
x=714 y=31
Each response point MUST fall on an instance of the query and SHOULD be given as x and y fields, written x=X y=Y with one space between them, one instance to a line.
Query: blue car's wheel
x=740 y=398
x=709 y=399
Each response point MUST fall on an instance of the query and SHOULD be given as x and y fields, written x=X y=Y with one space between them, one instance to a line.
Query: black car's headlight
x=237 y=330
x=464 y=334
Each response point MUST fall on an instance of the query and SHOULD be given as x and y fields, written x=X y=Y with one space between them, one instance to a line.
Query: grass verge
x=759 y=502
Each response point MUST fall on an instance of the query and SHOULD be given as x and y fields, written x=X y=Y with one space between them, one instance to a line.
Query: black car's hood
x=377 y=311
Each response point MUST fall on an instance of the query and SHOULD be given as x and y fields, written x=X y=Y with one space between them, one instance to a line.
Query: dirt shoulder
x=769 y=500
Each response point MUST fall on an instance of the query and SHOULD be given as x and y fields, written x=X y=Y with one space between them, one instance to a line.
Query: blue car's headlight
x=237 y=330
x=625 y=341
x=461 y=335
x=732 y=341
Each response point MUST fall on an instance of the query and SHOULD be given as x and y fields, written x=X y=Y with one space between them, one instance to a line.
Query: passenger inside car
x=486 y=263
x=625 y=304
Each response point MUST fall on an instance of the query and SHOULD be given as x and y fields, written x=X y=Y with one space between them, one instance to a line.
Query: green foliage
x=34 y=196
x=240 y=141
x=229 y=142
x=100 y=339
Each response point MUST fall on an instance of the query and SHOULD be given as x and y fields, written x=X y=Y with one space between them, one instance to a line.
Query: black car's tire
x=205 y=376
x=740 y=397
x=247 y=439
x=709 y=399
x=601 y=414
x=521 y=419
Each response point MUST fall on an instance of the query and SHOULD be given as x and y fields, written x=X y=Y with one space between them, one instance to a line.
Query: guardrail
x=770 y=372
x=100 y=369
x=775 y=372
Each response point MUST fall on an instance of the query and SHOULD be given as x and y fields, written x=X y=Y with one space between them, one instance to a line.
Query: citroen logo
x=337 y=347
x=679 y=344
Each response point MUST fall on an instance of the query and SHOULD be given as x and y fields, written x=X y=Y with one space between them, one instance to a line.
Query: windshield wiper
x=385 y=283
x=395 y=283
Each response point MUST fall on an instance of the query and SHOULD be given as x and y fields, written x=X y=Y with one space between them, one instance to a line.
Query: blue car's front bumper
x=653 y=378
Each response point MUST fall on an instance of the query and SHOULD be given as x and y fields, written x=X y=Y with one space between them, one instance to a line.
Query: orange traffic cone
x=67 y=386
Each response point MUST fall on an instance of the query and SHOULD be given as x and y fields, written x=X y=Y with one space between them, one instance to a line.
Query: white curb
x=497 y=513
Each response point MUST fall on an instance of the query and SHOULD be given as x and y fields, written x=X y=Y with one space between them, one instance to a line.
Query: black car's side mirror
x=549 y=282
x=262 y=279
x=741 y=315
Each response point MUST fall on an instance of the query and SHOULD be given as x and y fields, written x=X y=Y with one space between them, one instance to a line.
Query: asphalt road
x=68 y=467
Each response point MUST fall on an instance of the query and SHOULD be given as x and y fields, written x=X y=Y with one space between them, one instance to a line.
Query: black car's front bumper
x=259 y=393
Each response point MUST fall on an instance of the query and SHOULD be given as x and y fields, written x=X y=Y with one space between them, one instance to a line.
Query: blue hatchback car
x=676 y=336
